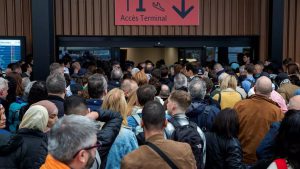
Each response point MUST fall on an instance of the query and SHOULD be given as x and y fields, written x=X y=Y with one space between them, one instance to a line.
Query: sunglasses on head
x=97 y=145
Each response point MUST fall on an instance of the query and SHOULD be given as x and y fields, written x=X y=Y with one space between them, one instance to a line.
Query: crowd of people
x=187 y=115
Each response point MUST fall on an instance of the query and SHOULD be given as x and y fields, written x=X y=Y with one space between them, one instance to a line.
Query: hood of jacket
x=196 y=107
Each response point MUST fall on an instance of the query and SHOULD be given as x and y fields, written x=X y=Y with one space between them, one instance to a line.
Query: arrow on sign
x=183 y=13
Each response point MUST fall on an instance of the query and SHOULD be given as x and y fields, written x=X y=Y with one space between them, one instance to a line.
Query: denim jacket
x=131 y=121
x=125 y=143
x=246 y=84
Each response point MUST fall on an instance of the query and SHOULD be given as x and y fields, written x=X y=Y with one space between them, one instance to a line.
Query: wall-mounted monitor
x=12 y=49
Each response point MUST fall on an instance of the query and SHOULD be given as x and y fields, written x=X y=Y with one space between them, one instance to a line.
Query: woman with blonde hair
x=132 y=104
x=28 y=148
x=126 y=140
x=115 y=101
x=228 y=95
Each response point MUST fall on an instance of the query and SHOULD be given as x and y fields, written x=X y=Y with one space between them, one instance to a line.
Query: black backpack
x=203 y=119
x=203 y=113
x=189 y=134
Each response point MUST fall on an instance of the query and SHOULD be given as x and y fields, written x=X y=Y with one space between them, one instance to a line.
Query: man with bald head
x=255 y=116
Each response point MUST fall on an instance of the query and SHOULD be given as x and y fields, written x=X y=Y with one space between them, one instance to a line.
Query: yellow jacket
x=229 y=97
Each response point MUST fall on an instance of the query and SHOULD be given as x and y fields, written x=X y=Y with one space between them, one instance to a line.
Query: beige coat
x=287 y=91
x=255 y=115
x=146 y=158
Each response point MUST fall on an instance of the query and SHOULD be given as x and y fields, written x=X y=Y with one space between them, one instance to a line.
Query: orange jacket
x=52 y=163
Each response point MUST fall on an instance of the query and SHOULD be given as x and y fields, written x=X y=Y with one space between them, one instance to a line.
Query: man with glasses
x=70 y=146
x=77 y=106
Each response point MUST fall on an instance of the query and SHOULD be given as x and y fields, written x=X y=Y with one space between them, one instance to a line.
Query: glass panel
x=212 y=54
x=10 y=52
x=234 y=51
x=78 y=53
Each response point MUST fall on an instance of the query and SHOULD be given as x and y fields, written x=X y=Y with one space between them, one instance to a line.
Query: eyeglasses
x=97 y=145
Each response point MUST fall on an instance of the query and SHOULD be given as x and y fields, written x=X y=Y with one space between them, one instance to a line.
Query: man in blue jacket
x=201 y=111
x=249 y=82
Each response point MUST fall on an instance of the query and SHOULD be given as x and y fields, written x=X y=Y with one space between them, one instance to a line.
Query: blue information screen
x=10 y=52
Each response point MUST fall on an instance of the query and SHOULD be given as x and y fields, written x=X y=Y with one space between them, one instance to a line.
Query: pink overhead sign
x=157 y=12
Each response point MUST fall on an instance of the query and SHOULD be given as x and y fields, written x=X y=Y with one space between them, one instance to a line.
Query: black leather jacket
x=223 y=153
x=108 y=133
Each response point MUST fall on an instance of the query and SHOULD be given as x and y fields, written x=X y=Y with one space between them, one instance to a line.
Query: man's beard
x=90 y=161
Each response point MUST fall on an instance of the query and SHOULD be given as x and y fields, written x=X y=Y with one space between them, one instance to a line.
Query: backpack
x=189 y=134
x=251 y=82
x=139 y=131
x=13 y=116
x=206 y=115
x=203 y=119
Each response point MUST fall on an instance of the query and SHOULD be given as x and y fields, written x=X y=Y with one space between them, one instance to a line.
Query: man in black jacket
x=115 y=79
x=97 y=88
x=56 y=87
x=165 y=76
x=108 y=133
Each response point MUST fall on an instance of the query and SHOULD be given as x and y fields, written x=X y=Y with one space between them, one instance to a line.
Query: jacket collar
x=285 y=81
x=97 y=102
x=220 y=72
x=198 y=100
x=52 y=163
x=156 y=137
x=179 y=115
x=228 y=90
x=261 y=97
x=53 y=97
x=114 y=82
x=32 y=132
